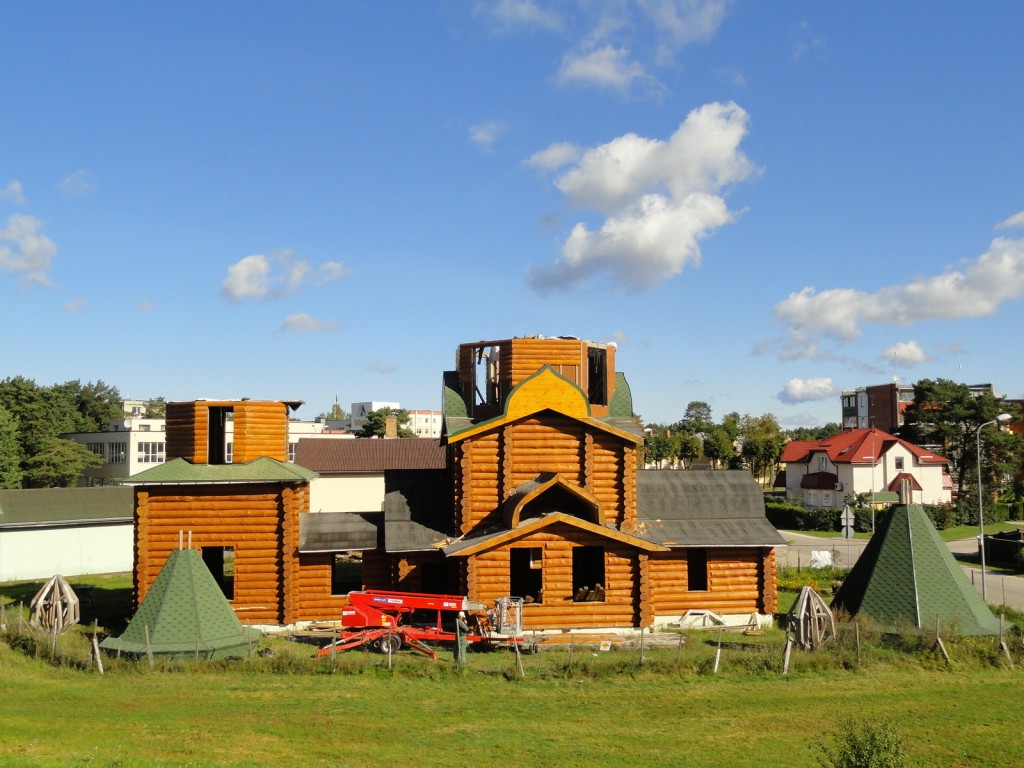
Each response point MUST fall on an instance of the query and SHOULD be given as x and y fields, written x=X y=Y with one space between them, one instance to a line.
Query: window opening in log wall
x=433 y=578
x=485 y=375
x=697 y=570
x=597 y=375
x=221 y=562
x=526 y=573
x=588 y=574
x=346 y=573
x=218 y=417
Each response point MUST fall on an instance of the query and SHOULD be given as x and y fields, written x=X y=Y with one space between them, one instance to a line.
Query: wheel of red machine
x=389 y=643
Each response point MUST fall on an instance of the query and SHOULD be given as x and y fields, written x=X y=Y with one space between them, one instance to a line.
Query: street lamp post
x=1002 y=418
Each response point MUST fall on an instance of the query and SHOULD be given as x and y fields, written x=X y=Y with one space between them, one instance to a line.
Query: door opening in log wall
x=221 y=562
x=217 y=434
x=697 y=570
x=346 y=573
x=597 y=375
x=526 y=573
x=588 y=585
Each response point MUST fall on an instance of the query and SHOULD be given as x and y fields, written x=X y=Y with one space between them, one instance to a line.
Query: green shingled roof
x=261 y=470
x=39 y=507
x=185 y=614
x=907 y=577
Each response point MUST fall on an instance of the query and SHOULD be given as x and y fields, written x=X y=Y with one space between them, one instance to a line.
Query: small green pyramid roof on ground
x=907 y=578
x=186 y=614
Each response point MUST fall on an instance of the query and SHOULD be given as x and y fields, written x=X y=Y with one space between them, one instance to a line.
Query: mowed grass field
x=604 y=710
x=578 y=707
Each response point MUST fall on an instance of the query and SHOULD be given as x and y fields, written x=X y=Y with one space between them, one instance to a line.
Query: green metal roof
x=261 y=470
x=702 y=508
x=185 y=614
x=39 y=507
x=621 y=406
x=907 y=578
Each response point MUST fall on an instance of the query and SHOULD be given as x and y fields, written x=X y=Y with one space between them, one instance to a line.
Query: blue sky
x=762 y=204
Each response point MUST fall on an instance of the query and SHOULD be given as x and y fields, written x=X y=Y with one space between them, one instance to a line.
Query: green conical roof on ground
x=186 y=614
x=907 y=577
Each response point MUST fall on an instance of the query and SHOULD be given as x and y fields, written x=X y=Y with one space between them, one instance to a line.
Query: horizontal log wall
x=480 y=480
x=258 y=521
x=736 y=583
x=488 y=468
x=260 y=429
x=489 y=579
x=567 y=356
x=315 y=601
x=180 y=426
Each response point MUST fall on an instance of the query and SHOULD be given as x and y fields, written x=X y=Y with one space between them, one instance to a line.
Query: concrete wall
x=351 y=492
x=39 y=553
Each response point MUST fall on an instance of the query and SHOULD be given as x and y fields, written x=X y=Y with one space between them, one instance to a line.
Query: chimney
x=390 y=426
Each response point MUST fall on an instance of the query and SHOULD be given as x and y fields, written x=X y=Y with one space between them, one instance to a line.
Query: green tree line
x=737 y=441
x=33 y=418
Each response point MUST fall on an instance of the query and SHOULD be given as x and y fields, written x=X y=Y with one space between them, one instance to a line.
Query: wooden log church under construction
x=540 y=497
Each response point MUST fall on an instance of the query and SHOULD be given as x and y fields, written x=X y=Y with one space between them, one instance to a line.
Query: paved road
x=1002 y=590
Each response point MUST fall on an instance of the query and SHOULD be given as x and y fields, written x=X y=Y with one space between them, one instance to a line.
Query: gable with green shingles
x=908 y=579
x=185 y=615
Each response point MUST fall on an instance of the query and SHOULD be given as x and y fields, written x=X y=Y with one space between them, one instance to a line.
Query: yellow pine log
x=264 y=528
x=214 y=498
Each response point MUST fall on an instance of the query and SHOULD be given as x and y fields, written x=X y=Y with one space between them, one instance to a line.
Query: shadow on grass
x=104 y=600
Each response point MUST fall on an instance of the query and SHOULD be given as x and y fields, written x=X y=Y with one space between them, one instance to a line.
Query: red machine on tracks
x=387 y=621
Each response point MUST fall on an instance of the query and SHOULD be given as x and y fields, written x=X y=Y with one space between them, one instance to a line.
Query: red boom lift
x=387 y=621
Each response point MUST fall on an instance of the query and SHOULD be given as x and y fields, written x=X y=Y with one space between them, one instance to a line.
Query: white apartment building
x=132 y=445
x=425 y=423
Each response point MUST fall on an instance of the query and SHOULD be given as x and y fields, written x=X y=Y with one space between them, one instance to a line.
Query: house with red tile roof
x=884 y=468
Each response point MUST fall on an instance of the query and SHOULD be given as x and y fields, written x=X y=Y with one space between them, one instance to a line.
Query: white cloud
x=75 y=306
x=522 y=13
x=300 y=322
x=682 y=22
x=270 y=277
x=1014 y=222
x=906 y=354
x=805 y=41
x=31 y=253
x=76 y=184
x=333 y=270
x=806 y=390
x=380 y=367
x=839 y=314
x=248 y=278
x=483 y=135
x=12 y=192
x=555 y=156
x=604 y=67
x=660 y=198
x=145 y=305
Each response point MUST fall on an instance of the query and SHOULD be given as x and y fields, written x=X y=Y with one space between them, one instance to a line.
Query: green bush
x=1001 y=512
x=796 y=517
x=865 y=744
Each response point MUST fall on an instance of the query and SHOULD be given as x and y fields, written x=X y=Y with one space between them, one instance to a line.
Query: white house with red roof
x=884 y=468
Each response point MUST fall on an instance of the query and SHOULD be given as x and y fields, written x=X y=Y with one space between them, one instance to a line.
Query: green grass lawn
x=578 y=708
x=664 y=712
x=949 y=534
x=971 y=531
